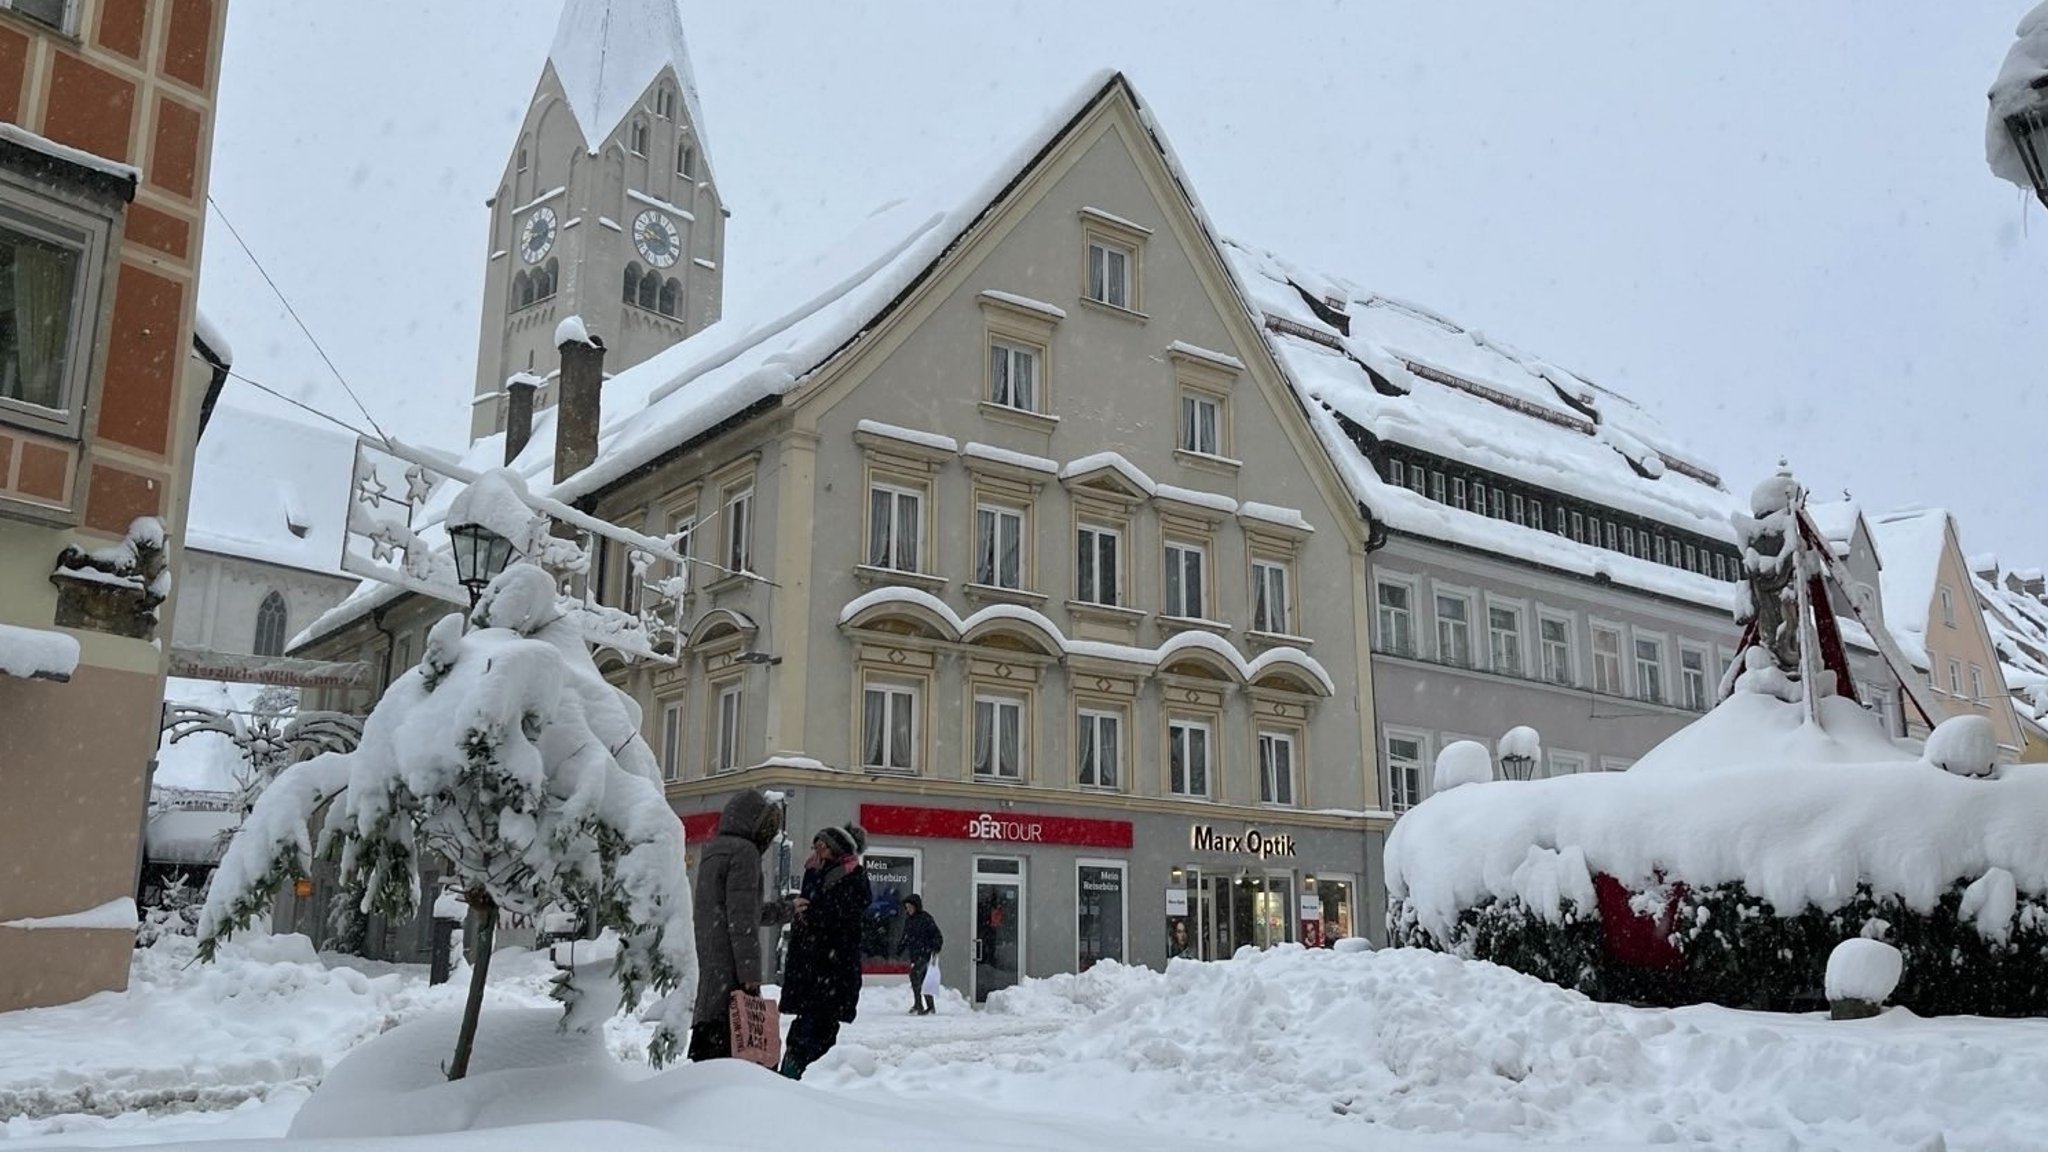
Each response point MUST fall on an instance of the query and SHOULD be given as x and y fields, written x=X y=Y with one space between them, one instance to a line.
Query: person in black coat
x=921 y=941
x=729 y=917
x=821 y=981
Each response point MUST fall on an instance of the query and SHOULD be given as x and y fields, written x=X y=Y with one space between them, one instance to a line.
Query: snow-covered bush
x=1863 y=969
x=1462 y=762
x=1964 y=745
x=505 y=755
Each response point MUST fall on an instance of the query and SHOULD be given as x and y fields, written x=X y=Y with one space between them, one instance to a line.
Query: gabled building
x=1010 y=541
x=1543 y=553
x=607 y=208
x=2015 y=606
x=1932 y=611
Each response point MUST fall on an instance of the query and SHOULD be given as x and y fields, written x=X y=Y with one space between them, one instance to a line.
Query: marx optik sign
x=1250 y=842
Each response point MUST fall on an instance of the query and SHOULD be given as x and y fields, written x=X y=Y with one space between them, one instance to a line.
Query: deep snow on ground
x=1289 y=1048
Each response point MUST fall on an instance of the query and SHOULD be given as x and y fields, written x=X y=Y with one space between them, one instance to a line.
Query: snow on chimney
x=518 y=413
x=576 y=412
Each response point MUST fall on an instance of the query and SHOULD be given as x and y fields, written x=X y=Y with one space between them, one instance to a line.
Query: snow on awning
x=37 y=653
x=188 y=836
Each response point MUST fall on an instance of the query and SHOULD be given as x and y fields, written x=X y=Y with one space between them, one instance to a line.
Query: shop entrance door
x=998 y=924
x=1210 y=898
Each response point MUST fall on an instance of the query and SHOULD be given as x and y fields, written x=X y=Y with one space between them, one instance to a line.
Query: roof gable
x=607 y=52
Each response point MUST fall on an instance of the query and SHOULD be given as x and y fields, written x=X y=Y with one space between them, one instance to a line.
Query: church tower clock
x=608 y=208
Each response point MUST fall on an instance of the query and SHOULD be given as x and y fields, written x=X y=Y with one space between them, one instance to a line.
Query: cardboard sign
x=756 y=1029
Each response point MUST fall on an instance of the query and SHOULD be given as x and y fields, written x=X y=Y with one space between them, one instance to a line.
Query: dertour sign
x=1000 y=827
x=1250 y=842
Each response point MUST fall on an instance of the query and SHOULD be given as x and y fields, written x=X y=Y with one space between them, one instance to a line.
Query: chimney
x=518 y=415
x=576 y=412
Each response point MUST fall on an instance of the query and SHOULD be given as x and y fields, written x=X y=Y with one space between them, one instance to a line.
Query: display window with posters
x=893 y=875
x=1101 y=912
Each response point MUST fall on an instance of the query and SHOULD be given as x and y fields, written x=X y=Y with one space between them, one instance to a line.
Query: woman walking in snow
x=921 y=942
x=730 y=916
x=821 y=982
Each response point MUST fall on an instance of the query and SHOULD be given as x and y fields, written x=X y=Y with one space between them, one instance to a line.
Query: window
x=1184 y=581
x=1397 y=621
x=1608 y=528
x=1099 y=750
x=1201 y=424
x=1976 y=684
x=671 y=739
x=1458 y=492
x=1187 y=748
x=1500 y=504
x=1628 y=540
x=1650 y=670
x=1579 y=527
x=1405 y=755
x=1555 y=635
x=1948 y=607
x=1109 y=274
x=665 y=104
x=686 y=160
x=270 y=625
x=665 y=301
x=636 y=138
x=1276 y=768
x=1436 y=486
x=1454 y=630
x=888 y=730
x=894 y=521
x=999 y=737
x=1520 y=515
x=1504 y=639
x=1657 y=545
x=1568 y=763
x=998 y=547
x=521 y=165
x=725 y=754
x=1692 y=676
x=739 y=530
x=1397 y=474
x=1013 y=376
x=55 y=13
x=682 y=530
x=1100 y=919
x=1417 y=480
x=1270 y=606
x=1479 y=496
x=1097 y=567
x=1607 y=660
x=1955 y=678
x=1692 y=558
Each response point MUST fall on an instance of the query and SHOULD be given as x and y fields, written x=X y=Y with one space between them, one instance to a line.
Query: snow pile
x=1462 y=762
x=1798 y=814
x=1861 y=969
x=1964 y=745
x=2014 y=89
x=27 y=652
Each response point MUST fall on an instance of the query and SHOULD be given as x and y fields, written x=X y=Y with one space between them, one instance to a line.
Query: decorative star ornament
x=370 y=490
x=418 y=484
x=384 y=543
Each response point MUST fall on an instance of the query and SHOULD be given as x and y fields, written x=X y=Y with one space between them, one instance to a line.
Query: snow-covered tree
x=506 y=755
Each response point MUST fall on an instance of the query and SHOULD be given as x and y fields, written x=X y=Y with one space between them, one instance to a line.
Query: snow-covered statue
x=1770 y=548
x=505 y=754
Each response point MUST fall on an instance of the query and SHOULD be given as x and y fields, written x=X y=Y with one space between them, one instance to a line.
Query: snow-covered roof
x=766 y=344
x=1909 y=545
x=1412 y=377
x=607 y=52
x=1836 y=521
x=208 y=333
x=2025 y=63
x=2018 y=623
x=270 y=488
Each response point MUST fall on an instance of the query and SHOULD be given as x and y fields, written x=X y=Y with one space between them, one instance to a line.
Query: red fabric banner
x=993 y=827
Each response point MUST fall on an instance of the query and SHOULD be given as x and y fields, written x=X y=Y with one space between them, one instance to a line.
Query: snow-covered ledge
x=37 y=653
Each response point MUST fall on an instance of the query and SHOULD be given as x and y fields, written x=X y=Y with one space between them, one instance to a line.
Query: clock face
x=657 y=238
x=538 y=236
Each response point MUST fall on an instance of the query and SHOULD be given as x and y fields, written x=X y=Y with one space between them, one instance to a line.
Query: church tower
x=607 y=210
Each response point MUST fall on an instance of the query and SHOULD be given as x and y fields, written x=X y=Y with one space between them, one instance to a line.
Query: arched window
x=270 y=623
x=521 y=167
x=686 y=158
x=632 y=284
x=522 y=291
x=665 y=104
x=650 y=290
x=546 y=282
x=670 y=290
x=636 y=138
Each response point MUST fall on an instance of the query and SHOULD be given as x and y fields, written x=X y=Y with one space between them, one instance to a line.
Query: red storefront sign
x=993 y=827
x=699 y=827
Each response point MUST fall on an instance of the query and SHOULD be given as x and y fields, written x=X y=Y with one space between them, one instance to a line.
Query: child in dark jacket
x=921 y=941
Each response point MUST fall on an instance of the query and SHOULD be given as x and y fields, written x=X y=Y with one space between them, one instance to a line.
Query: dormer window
x=636 y=137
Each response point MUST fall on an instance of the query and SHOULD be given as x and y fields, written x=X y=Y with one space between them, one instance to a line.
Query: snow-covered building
x=263 y=534
x=1543 y=553
x=2015 y=605
x=1011 y=542
x=607 y=208
x=106 y=115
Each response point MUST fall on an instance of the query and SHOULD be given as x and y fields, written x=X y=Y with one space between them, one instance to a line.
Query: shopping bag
x=931 y=979
x=756 y=1029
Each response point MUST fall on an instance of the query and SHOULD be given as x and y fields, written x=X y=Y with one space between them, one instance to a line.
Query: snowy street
x=1289 y=1048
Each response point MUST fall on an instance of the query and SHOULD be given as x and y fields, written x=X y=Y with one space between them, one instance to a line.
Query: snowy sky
x=1772 y=225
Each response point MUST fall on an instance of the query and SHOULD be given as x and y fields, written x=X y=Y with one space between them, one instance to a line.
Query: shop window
x=999 y=737
x=1188 y=744
x=1101 y=917
x=1099 y=749
x=1265 y=909
x=1338 y=904
x=893 y=875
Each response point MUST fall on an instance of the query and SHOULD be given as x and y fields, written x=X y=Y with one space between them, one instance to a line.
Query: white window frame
x=1180 y=556
x=1101 y=286
x=896 y=695
x=890 y=539
x=1002 y=385
x=1438 y=594
x=1955 y=678
x=87 y=238
x=671 y=734
x=1707 y=687
x=1562 y=762
x=1621 y=651
x=1120 y=866
x=1519 y=635
x=991 y=545
x=729 y=702
x=67 y=24
x=1193 y=405
x=1616 y=763
x=1637 y=638
x=1090 y=718
x=1382 y=641
x=1096 y=594
x=1176 y=726
x=1976 y=684
x=1948 y=606
x=738 y=509
x=998 y=704
x=1272 y=582
x=1269 y=738
x=1570 y=664
x=1401 y=798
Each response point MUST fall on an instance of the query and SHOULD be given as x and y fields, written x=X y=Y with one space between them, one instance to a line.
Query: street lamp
x=480 y=555
x=2016 y=135
x=1518 y=767
x=2028 y=128
x=1520 y=748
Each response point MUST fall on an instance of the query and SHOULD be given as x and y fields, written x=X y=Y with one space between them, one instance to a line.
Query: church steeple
x=608 y=208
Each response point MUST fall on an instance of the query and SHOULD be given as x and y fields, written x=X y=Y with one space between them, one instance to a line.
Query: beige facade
x=102 y=195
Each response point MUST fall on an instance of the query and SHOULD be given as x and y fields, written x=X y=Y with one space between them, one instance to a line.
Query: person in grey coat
x=730 y=915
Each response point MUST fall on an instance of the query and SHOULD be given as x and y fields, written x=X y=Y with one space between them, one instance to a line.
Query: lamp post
x=480 y=555
x=2016 y=136
x=1518 y=767
x=2028 y=129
